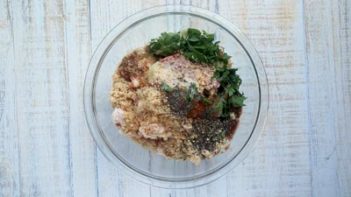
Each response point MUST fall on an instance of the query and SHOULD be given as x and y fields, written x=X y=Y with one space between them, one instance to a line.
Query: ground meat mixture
x=178 y=122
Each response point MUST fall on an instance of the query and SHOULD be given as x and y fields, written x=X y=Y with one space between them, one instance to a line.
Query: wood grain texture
x=45 y=145
x=41 y=98
x=9 y=158
x=329 y=95
x=82 y=153
x=279 y=165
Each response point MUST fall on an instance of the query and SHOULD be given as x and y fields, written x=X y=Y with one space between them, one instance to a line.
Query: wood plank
x=41 y=98
x=328 y=44
x=343 y=92
x=279 y=164
x=9 y=162
x=78 y=52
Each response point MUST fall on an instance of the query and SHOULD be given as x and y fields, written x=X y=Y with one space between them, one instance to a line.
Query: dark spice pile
x=207 y=133
x=207 y=128
x=178 y=103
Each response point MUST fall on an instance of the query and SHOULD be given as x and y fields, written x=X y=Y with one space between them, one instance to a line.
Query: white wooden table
x=45 y=146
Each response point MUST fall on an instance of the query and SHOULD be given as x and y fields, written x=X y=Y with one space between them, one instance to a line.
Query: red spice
x=197 y=110
x=233 y=124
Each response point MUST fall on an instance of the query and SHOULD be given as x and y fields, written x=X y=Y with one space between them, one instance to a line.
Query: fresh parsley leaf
x=167 y=44
x=195 y=45
x=192 y=92
x=237 y=100
x=220 y=105
x=206 y=101
x=228 y=90
x=166 y=87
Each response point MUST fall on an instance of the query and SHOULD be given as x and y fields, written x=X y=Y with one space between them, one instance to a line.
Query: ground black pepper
x=208 y=129
x=207 y=133
x=177 y=101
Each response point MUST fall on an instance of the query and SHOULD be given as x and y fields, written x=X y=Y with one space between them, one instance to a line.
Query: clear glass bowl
x=136 y=31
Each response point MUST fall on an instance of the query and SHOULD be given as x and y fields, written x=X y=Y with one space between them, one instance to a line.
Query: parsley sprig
x=195 y=45
x=165 y=45
x=229 y=93
x=201 y=47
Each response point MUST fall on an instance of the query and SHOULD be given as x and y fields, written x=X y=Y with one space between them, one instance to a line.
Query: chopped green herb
x=166 y=87
x=229 y=89
x=220 y=105
x=166 y=44
x=192 y=92
x=206 y=101
x=237 y=100
x=195 y=45
x=200 y=47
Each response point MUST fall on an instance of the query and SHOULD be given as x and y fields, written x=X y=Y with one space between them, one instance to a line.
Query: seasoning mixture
x=178 y=96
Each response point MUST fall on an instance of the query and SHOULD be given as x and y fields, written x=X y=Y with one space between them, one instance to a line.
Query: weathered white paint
x=328 y=58
x=45 y=146
x=82 y=149
x=9 y=161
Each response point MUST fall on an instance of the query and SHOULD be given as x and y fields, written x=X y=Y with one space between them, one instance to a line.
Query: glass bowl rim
x=95 y=64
